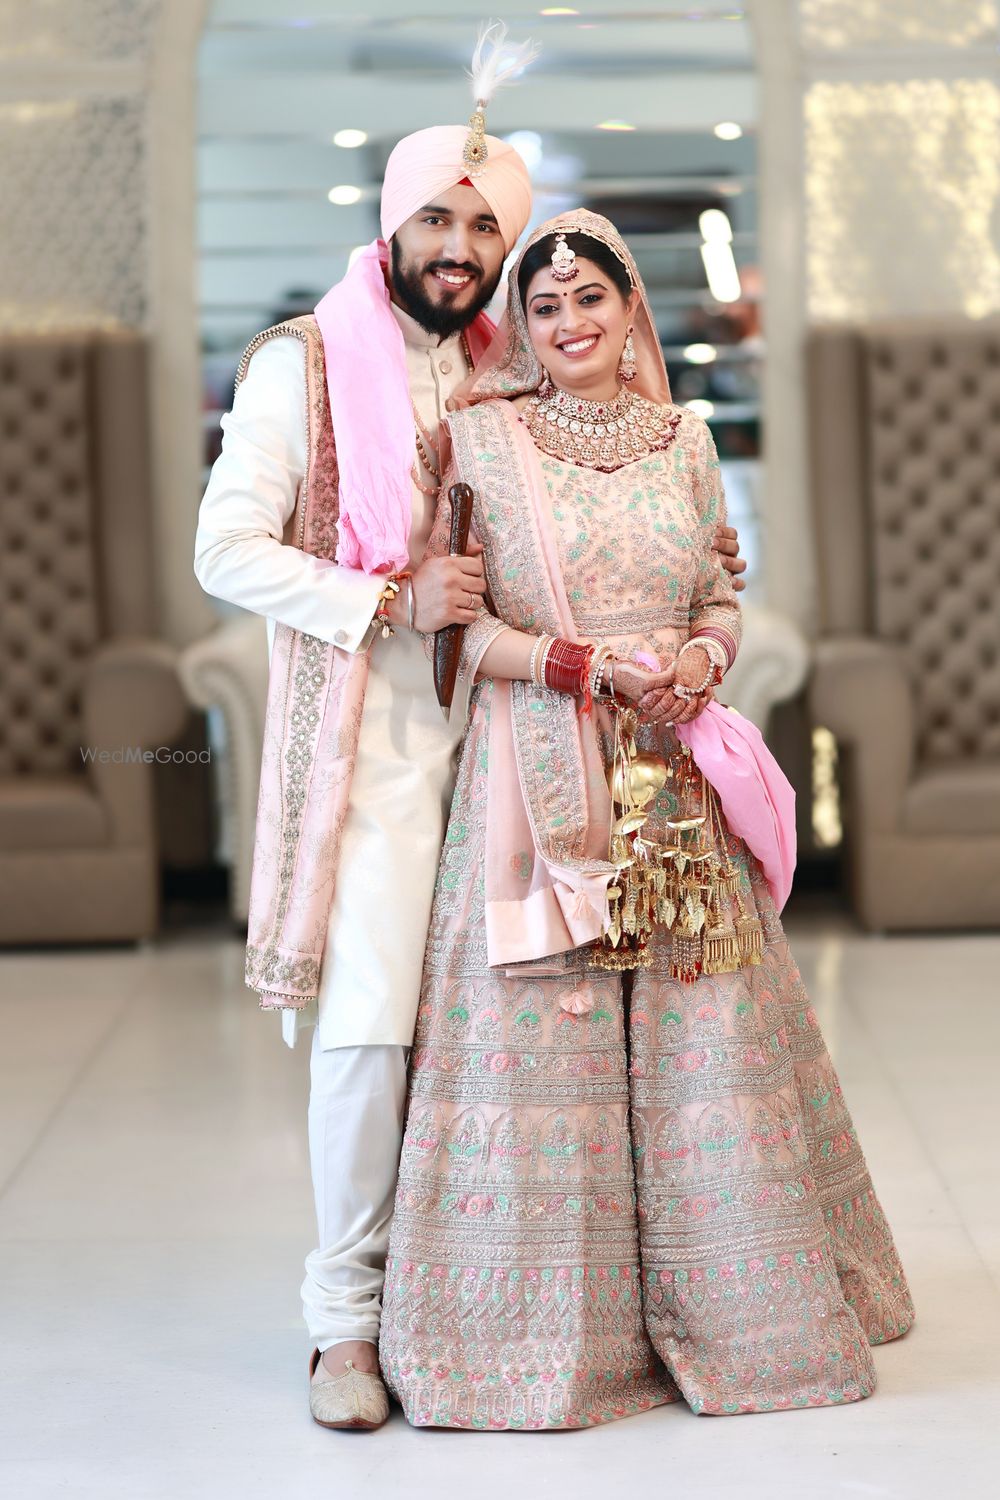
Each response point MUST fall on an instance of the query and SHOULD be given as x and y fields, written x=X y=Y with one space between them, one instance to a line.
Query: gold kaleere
x=685 y=886
x=750 y=935
x=722 y=949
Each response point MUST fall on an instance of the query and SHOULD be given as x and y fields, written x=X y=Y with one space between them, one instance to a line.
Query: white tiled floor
x=154 y=1213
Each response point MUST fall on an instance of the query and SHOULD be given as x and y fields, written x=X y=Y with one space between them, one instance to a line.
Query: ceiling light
x=344 y=194
x=700 y=354
x=717 y=255
x=701 y=408
x=728 y=130
x=528 y=145
x=350 y=138
x=558 y=10
x=720 y=271
x=715 y=226
x=615 y=125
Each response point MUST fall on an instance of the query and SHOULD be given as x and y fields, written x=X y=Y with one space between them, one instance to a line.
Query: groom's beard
x=445 y=313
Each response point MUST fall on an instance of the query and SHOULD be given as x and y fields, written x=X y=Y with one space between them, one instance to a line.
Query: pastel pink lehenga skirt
x=611 y=1200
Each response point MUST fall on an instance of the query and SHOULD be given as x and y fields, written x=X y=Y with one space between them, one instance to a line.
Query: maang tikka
x=564 y=266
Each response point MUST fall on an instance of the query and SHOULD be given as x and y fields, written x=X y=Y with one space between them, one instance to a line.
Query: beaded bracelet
x=388 y=594
x=712 y=678
x=718 y=643
x=606 y=690
x=600 y=657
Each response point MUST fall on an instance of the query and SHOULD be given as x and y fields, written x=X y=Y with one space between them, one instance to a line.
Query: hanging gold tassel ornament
x=722 y=949
x=685 y=886
x=633 y=779
x=750 y=934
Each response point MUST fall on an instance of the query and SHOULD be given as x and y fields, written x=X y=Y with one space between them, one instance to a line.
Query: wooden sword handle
x=448 y=640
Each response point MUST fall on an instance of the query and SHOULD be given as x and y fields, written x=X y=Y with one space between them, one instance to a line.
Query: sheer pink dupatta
x=756 y=796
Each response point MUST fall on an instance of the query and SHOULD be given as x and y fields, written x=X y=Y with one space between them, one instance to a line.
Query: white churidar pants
x=357 y=1106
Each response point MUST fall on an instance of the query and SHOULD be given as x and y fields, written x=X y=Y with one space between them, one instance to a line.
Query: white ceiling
x=276 y=82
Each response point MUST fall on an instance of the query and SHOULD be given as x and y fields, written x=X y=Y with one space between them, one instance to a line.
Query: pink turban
x=430 y=161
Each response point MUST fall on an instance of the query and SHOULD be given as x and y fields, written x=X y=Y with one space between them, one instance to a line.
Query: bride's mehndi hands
x=662 y=705
x=651 y=693
x=633 y=683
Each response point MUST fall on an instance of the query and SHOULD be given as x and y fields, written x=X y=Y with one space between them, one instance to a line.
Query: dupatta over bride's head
x=510 y=367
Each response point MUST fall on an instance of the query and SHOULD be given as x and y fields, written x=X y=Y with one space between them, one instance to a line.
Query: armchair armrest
x=132 y=694
x=771 y=665
x=228 y=671
x=860 y=692
x=235 y=658
x=132 y=702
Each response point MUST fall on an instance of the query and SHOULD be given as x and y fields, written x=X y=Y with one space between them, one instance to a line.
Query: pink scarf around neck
x=372 y=413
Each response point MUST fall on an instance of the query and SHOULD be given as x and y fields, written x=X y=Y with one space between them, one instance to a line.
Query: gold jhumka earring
x=687 y=885
x=626 y=365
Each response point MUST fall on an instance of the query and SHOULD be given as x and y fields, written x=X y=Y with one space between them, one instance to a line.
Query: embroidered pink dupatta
x=316 y=692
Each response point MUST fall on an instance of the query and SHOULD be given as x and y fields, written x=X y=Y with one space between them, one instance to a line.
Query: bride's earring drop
x=546 y=387
x=626 y=365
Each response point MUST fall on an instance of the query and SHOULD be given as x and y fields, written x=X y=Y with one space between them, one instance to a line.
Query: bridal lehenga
x=616 y=1191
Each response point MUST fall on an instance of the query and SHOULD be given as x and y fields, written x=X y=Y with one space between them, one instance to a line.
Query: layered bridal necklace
x=599 y=434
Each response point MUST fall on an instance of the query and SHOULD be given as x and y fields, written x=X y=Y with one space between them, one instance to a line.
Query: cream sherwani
x=373 y=958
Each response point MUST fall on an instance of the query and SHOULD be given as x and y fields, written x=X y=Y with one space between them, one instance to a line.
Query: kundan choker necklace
x=599 y=434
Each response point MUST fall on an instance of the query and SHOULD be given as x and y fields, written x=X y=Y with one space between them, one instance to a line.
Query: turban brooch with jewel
x=494 y=63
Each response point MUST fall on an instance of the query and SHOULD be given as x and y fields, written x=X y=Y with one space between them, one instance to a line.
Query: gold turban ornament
x=495 y=62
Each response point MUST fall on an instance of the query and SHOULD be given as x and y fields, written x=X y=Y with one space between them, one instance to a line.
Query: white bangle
x=713 y=649
x=540 y=642
x=600 y=657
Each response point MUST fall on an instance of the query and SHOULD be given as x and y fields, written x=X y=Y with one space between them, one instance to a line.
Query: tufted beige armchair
x=905 y=456
x=78 y=666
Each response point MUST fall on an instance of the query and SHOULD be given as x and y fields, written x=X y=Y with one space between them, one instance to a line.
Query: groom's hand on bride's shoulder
x=727 y=543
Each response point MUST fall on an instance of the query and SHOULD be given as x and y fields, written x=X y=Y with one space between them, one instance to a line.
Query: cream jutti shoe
x=354 y=1399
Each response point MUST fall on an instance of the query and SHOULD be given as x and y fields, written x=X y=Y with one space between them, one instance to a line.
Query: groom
x=335 y=420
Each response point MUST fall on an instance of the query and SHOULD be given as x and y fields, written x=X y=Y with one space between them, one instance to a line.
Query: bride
x=628 y=1175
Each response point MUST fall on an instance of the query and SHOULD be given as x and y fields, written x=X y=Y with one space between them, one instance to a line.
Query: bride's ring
x=472 y=600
